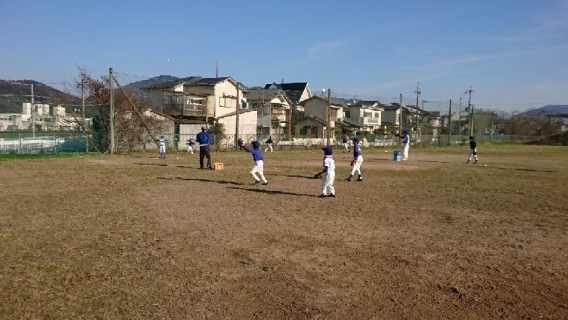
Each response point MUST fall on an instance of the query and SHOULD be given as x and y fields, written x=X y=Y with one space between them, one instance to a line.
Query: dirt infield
x=136 y=237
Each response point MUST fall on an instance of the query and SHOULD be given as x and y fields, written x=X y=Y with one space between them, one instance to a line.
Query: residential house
x=247 y=127
x=274 y=111
x=456 y=122
x=195 y=100
x=430 y=123
x=313 y=121
x=367 y=114
x=296 y=91
x=393 y=113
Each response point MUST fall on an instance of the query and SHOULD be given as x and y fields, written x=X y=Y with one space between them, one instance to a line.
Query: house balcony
x=190 y=110
x=370 y=121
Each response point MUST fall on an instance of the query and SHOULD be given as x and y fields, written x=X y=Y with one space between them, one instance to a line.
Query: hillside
x=12 y=95
x=135 y=86
x=547 y=110
x=559 y=139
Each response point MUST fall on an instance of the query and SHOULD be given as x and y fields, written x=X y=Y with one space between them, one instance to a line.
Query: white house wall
x=189 y=130
x=247 y=127
x=391 y=116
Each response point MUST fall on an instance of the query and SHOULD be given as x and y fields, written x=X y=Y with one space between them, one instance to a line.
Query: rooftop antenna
x=216 y=68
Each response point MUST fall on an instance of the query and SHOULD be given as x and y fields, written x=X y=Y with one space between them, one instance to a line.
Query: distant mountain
x=136 y=86
x=15 y=92
x=548 y=110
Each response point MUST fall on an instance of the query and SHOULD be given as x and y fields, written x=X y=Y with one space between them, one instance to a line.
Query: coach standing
x=203 y=138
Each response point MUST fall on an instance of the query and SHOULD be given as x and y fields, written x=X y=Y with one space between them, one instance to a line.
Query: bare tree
x=130 y=131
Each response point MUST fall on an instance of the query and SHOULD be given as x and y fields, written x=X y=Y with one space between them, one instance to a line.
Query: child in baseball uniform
x=345 y=143
x=258 y=162
x=357 y=160
x=406 y=145
x=269 y=144
x=162 y=143
x=328 y=173
x=190 y=144
x=472 y=150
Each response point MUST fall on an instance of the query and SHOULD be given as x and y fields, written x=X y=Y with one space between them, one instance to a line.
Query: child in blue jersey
x=406 y=145
x=258 y=162
x=190 y=144
x=357 y=159
x=162 y=142
x=328 y=173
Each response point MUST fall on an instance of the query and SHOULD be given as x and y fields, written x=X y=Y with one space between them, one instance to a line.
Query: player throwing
x=258 y=161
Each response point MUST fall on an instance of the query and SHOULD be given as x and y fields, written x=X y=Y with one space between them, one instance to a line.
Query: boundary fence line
x=25 y=143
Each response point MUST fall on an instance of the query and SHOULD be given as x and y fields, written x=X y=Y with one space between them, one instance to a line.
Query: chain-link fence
x=28 y=143
x=33 y=143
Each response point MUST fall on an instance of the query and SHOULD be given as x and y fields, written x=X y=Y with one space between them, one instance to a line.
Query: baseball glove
x=240 y=142
x=353 y=162
x=318 y=175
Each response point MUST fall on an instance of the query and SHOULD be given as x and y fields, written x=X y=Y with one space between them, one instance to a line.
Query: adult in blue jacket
x=204 y=139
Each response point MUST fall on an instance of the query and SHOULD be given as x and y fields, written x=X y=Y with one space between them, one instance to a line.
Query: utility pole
x=470 y=111
x=460 y=117
x=400 y=115
x=84 y=122
x=328 y=124
x=417 y=95
x=111 y=115
x=491 y=131
x=32 y=109
x=450 y=125
x=237 y=119
x=32 y=96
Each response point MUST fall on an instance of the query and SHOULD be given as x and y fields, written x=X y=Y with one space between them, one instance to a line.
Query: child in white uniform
x=328 y=173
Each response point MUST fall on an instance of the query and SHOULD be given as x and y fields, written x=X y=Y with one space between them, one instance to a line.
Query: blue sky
x=512 y=53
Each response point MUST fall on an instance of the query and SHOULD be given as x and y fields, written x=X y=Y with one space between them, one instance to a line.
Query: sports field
x=137 y=237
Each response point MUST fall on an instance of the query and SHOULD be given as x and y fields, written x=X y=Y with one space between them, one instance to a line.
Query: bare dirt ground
x=136 y=237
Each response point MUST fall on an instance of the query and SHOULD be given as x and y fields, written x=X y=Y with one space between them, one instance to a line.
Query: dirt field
x=136 y=237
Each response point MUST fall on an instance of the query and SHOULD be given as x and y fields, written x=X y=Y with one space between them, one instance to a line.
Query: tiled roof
x=294 y=86
x=174 y=83
x=352 y=123
x=209 y=81
x=332 y=100
x=193 y=81
x=293 y=90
